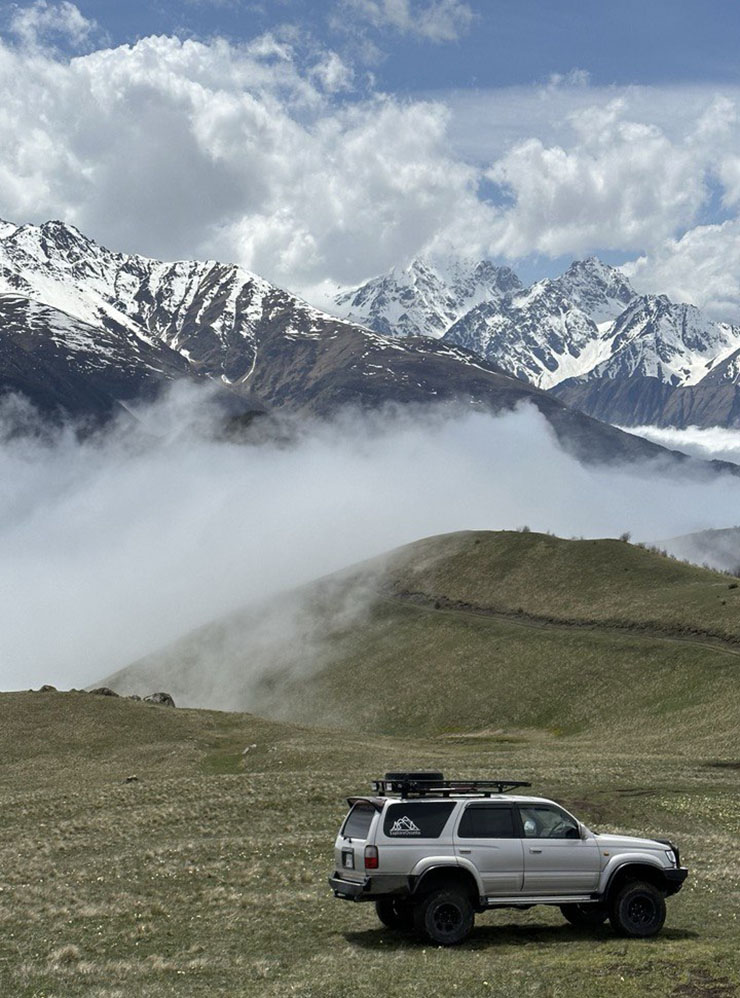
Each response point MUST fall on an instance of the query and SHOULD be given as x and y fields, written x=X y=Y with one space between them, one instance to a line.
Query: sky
x=320 y=144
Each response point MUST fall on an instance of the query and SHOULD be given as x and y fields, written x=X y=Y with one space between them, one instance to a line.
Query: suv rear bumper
x=369 y=889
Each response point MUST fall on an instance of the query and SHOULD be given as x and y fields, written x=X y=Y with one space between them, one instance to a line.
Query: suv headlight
x=671 y=857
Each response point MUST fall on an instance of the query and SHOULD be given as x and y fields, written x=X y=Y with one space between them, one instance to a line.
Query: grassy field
x=206 y=875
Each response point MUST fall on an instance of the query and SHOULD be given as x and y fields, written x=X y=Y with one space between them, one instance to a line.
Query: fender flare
x=456 y=869
x=620 y=864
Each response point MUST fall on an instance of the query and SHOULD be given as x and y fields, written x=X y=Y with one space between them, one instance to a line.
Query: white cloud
x=631 y=169
x=181 y=148
x=702 y=268
x=714 y=443
x=332 y=73
x=574 y=78
x=486 y=124
x=618 y=184
x=43 y=22
x=433 y=20
x=728 y=172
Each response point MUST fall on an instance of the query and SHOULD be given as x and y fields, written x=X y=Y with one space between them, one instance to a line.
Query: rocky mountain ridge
x=426 y=298
x=87 y=331
x=586 y=335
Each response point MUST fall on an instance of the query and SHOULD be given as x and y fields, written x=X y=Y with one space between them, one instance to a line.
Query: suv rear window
x=487 y=821
x=417 y=820
x=357 y=822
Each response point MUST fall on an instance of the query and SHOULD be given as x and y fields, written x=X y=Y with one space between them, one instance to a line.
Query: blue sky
x=503 y=43
x=321 y=143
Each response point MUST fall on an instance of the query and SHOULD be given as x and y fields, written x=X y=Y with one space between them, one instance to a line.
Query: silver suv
x=431 y=852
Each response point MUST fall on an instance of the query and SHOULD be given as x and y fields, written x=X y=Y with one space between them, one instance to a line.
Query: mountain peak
x=53 y=239
x=600 y=290
x=592 y=265
x=426 y=297
x=64 y=230
x=67 y=237
x=459 y=270
x=592 y=268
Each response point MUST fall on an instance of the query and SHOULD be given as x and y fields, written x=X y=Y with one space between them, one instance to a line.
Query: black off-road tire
x=396 y=913
x=637 y=909
x=445 y=916
x=585 y=916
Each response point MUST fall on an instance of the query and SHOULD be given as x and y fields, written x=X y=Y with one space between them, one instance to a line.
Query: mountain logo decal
x=404 y=826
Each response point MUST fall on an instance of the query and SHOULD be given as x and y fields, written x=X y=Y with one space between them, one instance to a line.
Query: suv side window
x=545 y=821
x=487 y=821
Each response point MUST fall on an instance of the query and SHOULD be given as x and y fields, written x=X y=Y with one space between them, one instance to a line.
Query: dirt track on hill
x=441 y=604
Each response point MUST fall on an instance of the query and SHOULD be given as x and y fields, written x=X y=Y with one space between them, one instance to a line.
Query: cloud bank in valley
x=707 y=443
x=121 y=543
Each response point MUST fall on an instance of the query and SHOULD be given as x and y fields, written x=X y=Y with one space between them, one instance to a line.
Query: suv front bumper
x=675 y=878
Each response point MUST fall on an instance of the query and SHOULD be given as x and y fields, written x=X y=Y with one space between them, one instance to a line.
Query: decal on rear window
x=404 y=826
x=412 y=819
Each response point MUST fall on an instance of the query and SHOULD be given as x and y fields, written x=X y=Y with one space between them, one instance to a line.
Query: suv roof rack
x=434 y=785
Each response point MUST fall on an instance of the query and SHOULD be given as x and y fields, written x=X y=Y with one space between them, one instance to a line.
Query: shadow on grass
x=484 y=936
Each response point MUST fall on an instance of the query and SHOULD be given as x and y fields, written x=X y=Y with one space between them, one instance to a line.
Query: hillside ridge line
x=442 y=604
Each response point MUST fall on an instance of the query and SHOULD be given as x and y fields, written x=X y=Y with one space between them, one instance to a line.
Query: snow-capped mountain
x=538 y=335
x=655 y=338
x=598 y=290
x=205 y=311
x=62 y=363
x=555 y=329
x=590 y=338
x=425 y=298
x=84 y=330
x=661 y=357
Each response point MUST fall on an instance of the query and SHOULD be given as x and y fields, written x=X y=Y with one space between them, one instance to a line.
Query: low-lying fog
x=115 y=545
x=714 y=443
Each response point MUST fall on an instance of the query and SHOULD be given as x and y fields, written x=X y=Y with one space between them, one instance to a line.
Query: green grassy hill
x=206 y=875
x=604 y=582
x=479 y=632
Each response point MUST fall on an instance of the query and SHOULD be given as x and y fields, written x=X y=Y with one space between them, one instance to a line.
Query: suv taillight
x=371 y=857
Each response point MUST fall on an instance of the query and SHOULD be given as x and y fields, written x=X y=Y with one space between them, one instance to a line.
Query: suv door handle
x=535 y=850
x=466 y=851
